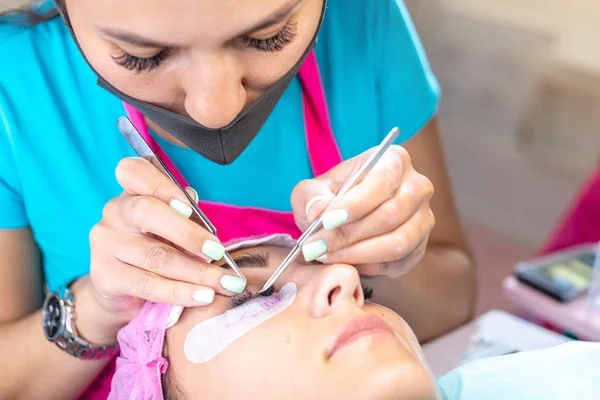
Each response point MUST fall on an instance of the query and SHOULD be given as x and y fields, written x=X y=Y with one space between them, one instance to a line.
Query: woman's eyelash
x=275 y=43
x=141 y=64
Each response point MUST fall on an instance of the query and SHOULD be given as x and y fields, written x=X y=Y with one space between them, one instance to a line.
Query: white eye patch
x=209 y=338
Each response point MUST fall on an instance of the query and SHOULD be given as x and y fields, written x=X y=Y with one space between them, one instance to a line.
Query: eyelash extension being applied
x=239 y=299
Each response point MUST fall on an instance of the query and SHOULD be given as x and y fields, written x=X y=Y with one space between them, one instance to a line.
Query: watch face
x=52 y=317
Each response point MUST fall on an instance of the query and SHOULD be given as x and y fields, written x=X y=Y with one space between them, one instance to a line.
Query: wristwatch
x=58 y=322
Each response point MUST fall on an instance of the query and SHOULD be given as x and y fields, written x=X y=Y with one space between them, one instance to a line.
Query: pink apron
x=581 y=223
x=238 y=222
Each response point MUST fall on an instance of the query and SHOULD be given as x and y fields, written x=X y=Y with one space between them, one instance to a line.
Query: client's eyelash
x=275 y=43
x=367 y=292
x=247 y=295
x=239 y=299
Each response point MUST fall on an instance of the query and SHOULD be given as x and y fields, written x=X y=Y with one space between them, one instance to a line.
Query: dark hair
x=31 y=16
x=170 y=384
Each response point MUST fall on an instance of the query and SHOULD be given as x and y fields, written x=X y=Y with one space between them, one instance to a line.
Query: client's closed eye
x=247 y=295
x=260 y=259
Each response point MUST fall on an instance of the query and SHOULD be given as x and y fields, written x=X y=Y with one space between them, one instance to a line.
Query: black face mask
x=223 y=145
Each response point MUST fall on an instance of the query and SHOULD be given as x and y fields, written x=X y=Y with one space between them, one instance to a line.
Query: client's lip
x=357 y=328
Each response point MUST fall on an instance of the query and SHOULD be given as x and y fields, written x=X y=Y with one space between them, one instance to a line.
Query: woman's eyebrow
x=283 y=11
x=141 y=41
x=133 y=39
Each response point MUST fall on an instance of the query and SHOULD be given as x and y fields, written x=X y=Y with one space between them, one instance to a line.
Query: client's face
x=327 y=344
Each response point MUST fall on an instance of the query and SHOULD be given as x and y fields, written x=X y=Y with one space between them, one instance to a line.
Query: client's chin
x=404 y=380
x=391 y=371
x=394 y=365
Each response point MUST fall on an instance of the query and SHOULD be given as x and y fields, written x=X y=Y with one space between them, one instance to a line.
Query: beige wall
x=521 y=84
x=7 y=4
x=13 y=3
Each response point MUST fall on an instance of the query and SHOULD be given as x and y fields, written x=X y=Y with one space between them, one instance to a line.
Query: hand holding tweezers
x=139 y=145
x=316 y=225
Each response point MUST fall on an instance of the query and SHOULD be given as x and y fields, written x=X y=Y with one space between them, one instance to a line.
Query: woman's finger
x=130 y=281
x=163 y=260
x=379 y=186
x=388 y=247
x=312 y=196
x=138 y=176
x=413 y=194
x=396 y=268
x=150 y=215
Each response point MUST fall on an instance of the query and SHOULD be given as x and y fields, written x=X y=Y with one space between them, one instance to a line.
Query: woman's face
x=205 y=59
x=301 y=352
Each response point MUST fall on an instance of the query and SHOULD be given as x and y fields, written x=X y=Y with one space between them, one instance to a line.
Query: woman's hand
x=147 y=248
x=381 y=225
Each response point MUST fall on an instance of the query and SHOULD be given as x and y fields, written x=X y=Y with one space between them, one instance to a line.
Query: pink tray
x=572 y=316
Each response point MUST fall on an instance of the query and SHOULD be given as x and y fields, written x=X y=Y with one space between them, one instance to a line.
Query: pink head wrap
x=140 y=365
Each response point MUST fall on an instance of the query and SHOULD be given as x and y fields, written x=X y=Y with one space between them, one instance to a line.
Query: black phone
x=564 y=275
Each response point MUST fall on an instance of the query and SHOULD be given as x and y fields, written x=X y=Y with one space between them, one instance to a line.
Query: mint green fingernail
x=314 y=250
x=181 y=208
x=234 y=284
x=204 y=296
x=333 y=219
x=324 y=257
x=213 y=250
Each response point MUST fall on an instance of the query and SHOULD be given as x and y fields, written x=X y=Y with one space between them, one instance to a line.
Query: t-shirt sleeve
x=12 y=210
x=408 y=89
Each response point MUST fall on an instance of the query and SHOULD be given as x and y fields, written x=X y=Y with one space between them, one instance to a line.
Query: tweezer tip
x=265 y=288
x=240 y=274
x=266 y=293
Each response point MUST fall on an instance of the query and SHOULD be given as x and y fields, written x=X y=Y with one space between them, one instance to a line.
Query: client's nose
x=337 y=287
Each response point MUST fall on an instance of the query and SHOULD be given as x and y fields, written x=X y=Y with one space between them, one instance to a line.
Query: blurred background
x=519 y=120
x=521 y=82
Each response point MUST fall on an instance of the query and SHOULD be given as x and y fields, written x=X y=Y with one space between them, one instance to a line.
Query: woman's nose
x=337 y=287
x=214 y=92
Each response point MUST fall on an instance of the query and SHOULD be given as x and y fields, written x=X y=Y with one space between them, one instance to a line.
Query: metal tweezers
x=316 y=225
x=139 y=145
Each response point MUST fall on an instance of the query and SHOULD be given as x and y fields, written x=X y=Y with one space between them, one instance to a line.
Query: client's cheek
x=209 y=338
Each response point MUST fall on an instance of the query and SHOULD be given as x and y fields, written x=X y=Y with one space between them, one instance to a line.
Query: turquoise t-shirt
x=569 y=371
x=59 y=145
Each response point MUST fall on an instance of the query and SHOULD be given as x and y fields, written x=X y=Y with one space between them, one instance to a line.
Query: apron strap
x=323 y=150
